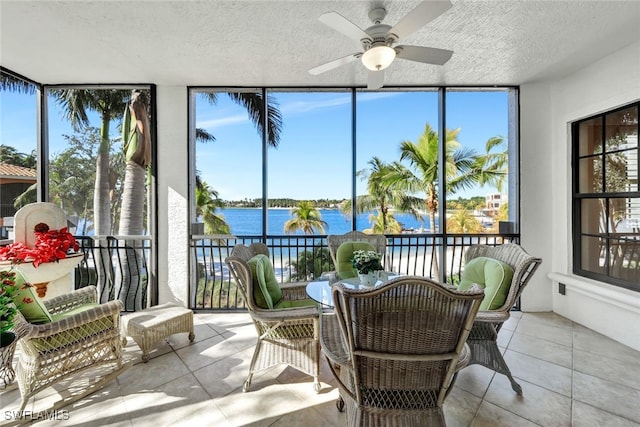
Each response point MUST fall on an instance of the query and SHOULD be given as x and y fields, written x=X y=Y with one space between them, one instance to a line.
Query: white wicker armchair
x=394 y=349
x=85 y=339
x=483 y=339
x=285 y=336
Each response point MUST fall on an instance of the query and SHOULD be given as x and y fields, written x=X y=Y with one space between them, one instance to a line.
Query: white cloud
x=222 y=121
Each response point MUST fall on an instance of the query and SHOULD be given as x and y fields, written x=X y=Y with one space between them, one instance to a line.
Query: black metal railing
x=307 y=257
x=118 y=266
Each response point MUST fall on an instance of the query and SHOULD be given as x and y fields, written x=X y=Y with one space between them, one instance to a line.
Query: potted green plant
x=8 y=309
x=367 y=263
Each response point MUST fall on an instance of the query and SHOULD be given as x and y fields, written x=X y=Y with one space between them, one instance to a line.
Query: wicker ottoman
x=149 y=326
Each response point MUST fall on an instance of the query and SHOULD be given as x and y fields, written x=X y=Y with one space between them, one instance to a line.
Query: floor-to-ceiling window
x=289 y=166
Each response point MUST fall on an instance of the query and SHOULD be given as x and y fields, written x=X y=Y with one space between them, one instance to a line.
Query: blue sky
x=313 y=159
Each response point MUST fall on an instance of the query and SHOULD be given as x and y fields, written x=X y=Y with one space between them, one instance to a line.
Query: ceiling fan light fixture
x=378 y=57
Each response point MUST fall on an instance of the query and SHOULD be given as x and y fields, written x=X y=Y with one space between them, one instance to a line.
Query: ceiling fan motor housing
x=379 y=36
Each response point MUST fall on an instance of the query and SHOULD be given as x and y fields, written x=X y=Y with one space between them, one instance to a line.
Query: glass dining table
x=320 y=290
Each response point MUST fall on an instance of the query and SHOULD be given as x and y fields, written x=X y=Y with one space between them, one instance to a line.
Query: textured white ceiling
x=275 y=43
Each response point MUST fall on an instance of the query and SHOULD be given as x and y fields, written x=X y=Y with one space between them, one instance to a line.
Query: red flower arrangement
x=50 y=246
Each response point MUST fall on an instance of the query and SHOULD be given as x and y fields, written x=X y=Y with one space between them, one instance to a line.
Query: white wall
x=547 y=109
x=173 y=218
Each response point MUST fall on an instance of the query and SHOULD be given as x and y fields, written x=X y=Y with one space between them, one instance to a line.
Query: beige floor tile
x=490 y=415
x=606 y=395
x=512 y=322
x=167 y=404
x=206 y=352
x=460 y=407
x=201 y=331
x=226 y=375
x=562 y=335
x=547 y=318
x=143 y=377
x=261 y=406
x=537 y=404
x=550 y=351
x=542 y=373
x=191 y=384
x=608 y=368
x=475 y=379
x=587 y=416
x=504 y=337
x=593 y=342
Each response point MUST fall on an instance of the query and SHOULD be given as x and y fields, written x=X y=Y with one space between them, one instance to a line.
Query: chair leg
x=487 y=354
x=254 y=359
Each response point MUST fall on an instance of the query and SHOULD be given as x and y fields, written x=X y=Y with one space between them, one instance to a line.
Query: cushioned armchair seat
x=82 y=335
x=350 y=242
x=286 y=320
x=490 y=267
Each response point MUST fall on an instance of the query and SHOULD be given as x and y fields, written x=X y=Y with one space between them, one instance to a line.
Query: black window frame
x=579 y=196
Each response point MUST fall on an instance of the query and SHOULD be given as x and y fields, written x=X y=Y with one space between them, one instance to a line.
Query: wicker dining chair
x=377 y=241
x=285 y=335
x=83 y=335
x=394 y=349
x=483 y=339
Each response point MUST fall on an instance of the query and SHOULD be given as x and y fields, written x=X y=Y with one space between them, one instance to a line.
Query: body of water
x=247 y=221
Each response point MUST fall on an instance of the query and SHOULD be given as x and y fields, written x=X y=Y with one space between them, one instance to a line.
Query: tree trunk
x=102 y=215
x=132 y=224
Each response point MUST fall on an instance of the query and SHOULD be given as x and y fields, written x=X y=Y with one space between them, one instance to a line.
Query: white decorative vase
x=368 y=279
x=49 y=272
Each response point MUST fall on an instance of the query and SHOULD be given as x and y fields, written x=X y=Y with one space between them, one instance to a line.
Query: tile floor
x=571 y=376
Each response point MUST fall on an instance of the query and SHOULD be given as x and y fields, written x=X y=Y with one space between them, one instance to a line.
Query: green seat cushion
x=491 y=275
x=79 y=309
x=297 y=303
x=344 y=254
x=74 y=335
x=28 y=302
x=266 y=289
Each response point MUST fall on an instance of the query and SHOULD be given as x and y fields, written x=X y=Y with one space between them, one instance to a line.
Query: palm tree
x=463 y=169
x=381 y=224
x=136 y=146
x=14 y=84
x=306 y=217
x=207 y=202
x=254 y=103
x=383 y=197
x=463 y=221
x=109 y=103
x=423 y=159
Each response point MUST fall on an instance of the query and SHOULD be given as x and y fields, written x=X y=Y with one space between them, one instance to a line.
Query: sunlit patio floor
x=570 y=376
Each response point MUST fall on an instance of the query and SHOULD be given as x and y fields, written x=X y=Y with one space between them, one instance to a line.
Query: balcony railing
x=119 y=265
x=307 y=257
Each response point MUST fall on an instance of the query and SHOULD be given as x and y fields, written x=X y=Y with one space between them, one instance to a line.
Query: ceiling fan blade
x=375 y=80
x=425 y=12
x=334 y=64
x=428 y=55
x=343 y=25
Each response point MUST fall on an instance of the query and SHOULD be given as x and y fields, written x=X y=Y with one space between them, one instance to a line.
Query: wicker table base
x=149 y=326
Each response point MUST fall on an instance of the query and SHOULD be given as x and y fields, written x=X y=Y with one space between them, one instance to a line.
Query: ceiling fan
x=378 y=40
